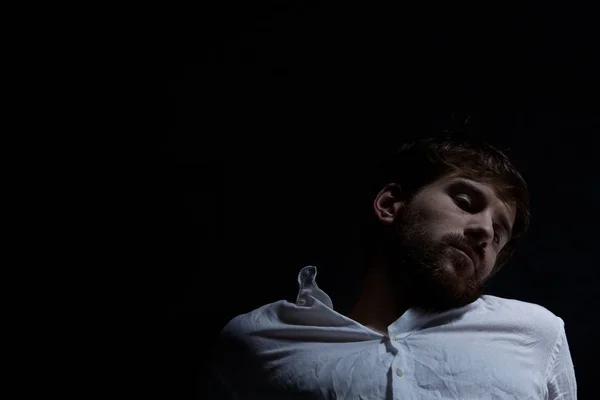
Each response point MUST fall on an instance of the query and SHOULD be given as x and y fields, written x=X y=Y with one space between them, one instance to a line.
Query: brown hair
x=421 y=162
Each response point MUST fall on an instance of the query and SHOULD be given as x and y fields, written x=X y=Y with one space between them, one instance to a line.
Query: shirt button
x=399 y=372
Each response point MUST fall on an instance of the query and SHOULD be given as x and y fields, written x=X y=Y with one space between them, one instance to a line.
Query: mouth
x=469 y=253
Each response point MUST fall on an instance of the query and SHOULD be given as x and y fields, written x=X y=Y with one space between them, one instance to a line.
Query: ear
x=387 y=203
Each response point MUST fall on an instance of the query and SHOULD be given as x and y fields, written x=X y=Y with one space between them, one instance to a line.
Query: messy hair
x=424 y=161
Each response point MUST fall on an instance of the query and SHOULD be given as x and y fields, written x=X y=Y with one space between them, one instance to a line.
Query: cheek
x=442 y=224
x=434 y=221
x=438 y=215
x=490 y=260
x=439 y=231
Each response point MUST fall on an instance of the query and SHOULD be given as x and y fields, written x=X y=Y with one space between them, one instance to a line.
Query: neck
x=378 y=306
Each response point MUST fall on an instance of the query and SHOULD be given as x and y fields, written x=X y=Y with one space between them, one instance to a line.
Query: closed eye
x=496 y=238
x=463 y=201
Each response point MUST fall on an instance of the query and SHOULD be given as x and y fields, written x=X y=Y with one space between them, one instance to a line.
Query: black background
x=278 y=111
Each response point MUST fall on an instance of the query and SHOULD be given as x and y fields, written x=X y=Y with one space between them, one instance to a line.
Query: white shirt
x=493 y=348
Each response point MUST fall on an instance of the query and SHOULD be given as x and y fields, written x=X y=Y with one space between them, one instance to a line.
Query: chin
x=447 y=289
x=440 y=278
x=460 y=293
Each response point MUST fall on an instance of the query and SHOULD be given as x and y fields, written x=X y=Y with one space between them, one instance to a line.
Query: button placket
x=395 y=343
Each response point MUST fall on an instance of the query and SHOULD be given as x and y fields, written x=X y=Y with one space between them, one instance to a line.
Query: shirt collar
x=307 y=287
x=412 y=320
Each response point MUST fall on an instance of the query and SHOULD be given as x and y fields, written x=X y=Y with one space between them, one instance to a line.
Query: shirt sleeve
x=561 y=375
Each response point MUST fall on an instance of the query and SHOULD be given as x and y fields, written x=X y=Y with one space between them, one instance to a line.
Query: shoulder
x=522 y=314
x=521 y=309
x=540 y=334
x=239 y=343
x=248 y=324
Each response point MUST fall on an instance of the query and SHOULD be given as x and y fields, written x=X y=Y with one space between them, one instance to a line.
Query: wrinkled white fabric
x=493 y=348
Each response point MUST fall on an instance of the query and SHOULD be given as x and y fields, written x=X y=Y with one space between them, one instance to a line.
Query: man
x=448 y=215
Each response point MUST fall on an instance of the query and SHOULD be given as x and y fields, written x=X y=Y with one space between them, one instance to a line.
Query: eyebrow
x=503 y=219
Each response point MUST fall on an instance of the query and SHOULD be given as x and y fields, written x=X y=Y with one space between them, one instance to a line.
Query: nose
x=480 y=230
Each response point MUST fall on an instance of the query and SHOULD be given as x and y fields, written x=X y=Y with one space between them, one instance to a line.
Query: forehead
x=487 y=189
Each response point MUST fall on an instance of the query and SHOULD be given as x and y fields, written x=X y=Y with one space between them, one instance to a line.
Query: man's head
x=448 y=217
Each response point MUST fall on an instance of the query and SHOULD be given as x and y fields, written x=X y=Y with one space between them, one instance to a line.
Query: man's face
x=446 y=240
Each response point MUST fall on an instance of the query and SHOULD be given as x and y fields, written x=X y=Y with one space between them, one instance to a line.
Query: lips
x=470 y=253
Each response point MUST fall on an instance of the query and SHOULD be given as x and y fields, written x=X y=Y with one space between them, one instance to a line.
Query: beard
x=436 y=276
